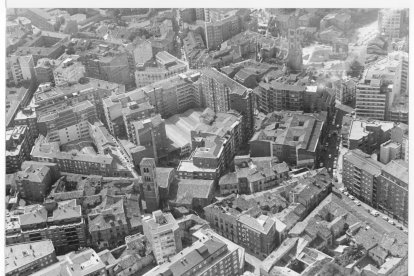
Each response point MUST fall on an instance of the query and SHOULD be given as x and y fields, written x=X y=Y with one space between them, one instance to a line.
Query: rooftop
x=191 y=257
x=364 y=161
x=360 y=128
x=219 y=77
x=185 y=190
x=19 y=255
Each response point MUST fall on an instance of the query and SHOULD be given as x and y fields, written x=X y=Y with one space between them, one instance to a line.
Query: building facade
x=163 y=233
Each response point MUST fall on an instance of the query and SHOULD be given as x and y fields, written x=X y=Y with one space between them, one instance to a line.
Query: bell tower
x=150 y=186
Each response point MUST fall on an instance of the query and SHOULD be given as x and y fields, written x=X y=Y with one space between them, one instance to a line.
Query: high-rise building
x=221 y=94
x=27 y=116
x=163 y=233
x=18 y=146
x=390 y=22
x=106 y=62
x=150 y=184
x=220 y=25
x=22 y=68
x=372 y=98
x=175 y=94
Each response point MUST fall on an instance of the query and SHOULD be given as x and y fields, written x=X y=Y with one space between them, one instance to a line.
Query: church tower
x=150 y=186
x=295 y=61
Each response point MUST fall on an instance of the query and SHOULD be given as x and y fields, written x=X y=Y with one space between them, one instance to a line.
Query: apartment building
x=69 y=124
x=150 y=133
x=292 y=137
x=390 y=22
x=135 y=111
x=382 y=186
x=18 y=146
x=347 y=91
x=166 y=66
x=175 y=94
x=22 y=68
x=163 y=233
x=220 y=25
x=208 y=256
x=76 y=161
x=16 y=99
x=283 y=94
x=60 y=222
x=48 y=99
x=40 y=19
x=114 y=105
x=214 y=143
x=372 y=98
x=83 y=262
x=33 y=183
x=221 y=93
x=26 y=258
x=254 y=231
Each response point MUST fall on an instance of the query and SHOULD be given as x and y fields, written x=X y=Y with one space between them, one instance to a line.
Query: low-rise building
x=292 y=137
x=253 y=174
x=108 y=224
x=191 y=193
x=368 y=135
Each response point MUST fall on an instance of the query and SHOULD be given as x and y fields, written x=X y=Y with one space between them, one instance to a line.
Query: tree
x=355 y=69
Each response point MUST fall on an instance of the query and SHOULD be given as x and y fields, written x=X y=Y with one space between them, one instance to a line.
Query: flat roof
x=19 y=255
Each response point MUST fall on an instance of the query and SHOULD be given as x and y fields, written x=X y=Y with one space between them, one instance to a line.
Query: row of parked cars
x=356 y=201
x=372 y=212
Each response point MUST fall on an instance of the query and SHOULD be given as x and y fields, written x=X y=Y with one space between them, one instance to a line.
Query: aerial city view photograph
x=206 y=141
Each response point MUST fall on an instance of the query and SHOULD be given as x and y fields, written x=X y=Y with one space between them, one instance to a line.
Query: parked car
x=330 y=155
x=357 y=202
x=385 y=218
x=351 y=197
x=391 y=222
x=374 y=213
x=341 y=190
x=346 y=193
x=400 y=227
x=321 y=164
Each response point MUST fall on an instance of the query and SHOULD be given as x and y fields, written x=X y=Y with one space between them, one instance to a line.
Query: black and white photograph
x=206 y=141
